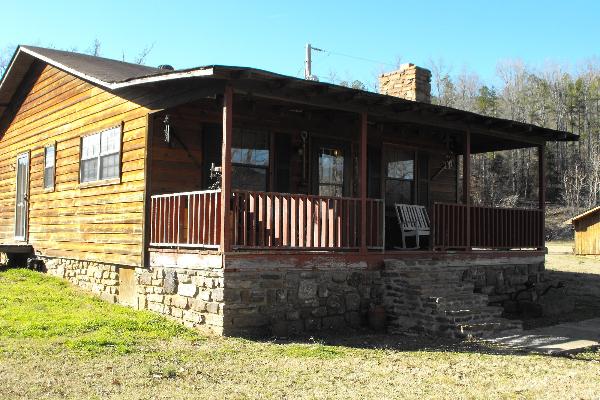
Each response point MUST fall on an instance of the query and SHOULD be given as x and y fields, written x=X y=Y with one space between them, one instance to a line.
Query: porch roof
x=117 y=76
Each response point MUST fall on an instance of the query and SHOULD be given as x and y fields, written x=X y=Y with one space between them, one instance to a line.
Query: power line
x=354 y=57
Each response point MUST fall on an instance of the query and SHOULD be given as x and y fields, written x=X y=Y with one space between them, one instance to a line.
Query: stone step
x=446 y=291
x=440 y=302
x=497 y=311
x=473 y=315
x=461 y=285
x=418 y=276
x=455 y=302
x=489 y=328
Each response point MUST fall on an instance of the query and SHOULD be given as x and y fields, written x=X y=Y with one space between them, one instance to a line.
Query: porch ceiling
x=489 y=133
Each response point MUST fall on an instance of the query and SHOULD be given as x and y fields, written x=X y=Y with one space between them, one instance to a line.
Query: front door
x=22 y=201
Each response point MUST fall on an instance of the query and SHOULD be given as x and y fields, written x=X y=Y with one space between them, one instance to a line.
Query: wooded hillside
x=553 y=97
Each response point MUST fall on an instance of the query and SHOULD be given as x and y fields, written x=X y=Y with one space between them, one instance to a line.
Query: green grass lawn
x=58 y=342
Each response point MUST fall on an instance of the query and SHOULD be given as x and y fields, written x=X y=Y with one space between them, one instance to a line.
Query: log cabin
x=242 y=202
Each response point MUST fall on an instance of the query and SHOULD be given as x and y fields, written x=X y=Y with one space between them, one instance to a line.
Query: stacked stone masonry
x=99 y=278
x=194 y=296
x=266 y=296
x=409 y=82
x=292 y=301
x=458 y=298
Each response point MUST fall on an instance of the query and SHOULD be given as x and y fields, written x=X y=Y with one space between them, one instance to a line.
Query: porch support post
x=467 y=186
x=542 y=190
x=363 y=182
x=226 y=169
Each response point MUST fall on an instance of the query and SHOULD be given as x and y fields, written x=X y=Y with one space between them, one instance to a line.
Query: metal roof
x=116 y=75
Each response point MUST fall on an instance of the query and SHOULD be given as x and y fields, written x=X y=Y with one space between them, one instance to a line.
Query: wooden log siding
x=491 y=227
x=95 y=223
x=282 y=220
x=190 y=219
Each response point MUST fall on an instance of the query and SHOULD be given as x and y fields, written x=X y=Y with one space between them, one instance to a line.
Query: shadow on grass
x=583 y=289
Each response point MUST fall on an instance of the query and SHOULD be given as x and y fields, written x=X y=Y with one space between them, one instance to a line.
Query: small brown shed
x=587 y=232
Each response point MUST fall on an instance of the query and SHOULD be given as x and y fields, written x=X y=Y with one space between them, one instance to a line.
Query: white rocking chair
x=413 y=221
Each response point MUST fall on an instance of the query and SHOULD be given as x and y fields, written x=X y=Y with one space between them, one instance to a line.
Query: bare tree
x=141 y=57
x=443 y=87
x=94 y=49
x=5 y=56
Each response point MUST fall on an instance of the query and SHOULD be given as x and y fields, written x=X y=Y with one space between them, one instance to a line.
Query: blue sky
x=271 y=34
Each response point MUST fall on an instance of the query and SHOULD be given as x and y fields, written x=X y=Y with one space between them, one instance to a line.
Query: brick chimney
x=409 y=82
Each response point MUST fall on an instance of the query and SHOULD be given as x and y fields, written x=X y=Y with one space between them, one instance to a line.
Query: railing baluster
x=263 y=219
x=285 y=211
x=301 y=222
x=491 y=227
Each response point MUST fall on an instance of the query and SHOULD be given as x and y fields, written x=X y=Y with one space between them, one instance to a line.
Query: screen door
x=22 y=197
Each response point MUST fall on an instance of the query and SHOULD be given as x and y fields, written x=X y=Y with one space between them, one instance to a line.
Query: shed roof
x=116 y=75
x=586 y=213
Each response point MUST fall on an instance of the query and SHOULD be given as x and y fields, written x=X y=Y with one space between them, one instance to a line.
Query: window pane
x=90 y=147
x=89 y=170
x=48 y=177
x=250 y=147
x=49 y=157
x=248 y=178
x=250 y=156
x=109 y=166
x=331 y=167
x=110 y=141
x=401 y=169
x=400 y=164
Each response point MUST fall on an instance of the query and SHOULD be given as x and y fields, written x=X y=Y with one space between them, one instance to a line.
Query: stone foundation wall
x=265 y=295
x=497 y=277
x=193 y=296
x=501 y=281
x=288 y=301
x=99 y=278
x=187 y=287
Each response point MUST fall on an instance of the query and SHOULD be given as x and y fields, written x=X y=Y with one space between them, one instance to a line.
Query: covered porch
x=307 y=167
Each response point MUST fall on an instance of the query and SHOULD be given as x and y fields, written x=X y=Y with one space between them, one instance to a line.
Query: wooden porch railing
x=189 y=219
x=264 y=220
x=280 y=220
x=490 y=227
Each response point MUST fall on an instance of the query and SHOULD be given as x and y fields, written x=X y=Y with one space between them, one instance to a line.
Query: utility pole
x=308 y=63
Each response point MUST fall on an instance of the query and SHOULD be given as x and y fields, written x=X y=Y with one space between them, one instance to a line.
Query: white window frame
x=98 y=157
x=46 y=186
